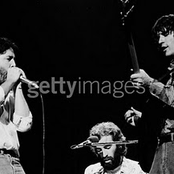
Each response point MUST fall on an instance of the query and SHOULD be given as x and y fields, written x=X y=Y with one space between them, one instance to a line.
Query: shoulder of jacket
x=93 y=168
x=132 y=166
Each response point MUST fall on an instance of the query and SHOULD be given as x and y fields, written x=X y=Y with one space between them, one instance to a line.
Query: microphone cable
x=43 y=130
x=43 y=134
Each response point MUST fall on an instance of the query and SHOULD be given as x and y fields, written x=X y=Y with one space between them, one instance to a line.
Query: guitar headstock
x=126 y=8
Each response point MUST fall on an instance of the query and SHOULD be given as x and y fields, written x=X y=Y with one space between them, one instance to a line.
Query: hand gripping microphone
x=29 y=82
x=88 y=142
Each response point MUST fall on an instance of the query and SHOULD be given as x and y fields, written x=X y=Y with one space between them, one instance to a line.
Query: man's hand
x=12 y=81
x=132 y=116
x=141 y=78
x=13 y=74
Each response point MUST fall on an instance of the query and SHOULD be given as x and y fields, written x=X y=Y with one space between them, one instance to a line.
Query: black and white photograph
x=87 y=87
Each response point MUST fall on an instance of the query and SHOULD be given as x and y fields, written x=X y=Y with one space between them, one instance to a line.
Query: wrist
x=151 y=81
x=7 y=86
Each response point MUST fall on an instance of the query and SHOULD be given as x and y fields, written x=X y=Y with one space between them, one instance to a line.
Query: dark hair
x=109 y=128
x=164 y=25
x=6 y=44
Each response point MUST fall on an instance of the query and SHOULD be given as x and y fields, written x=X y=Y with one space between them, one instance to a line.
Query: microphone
x=29 y=82
x=87 y=142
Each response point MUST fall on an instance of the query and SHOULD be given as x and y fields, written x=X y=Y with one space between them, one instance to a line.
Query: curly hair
x=109 y=128
x=164 y=25
x=6 y=44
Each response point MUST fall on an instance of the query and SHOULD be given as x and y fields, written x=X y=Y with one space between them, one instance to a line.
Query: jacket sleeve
x=163 y=92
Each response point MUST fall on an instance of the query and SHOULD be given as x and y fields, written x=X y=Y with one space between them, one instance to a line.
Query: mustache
x=107 y=158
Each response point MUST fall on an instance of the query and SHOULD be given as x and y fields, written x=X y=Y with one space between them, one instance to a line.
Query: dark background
x=72 y=39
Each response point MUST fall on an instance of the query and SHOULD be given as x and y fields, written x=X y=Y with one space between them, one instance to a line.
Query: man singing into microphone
x=14 y=111
x=111 y=157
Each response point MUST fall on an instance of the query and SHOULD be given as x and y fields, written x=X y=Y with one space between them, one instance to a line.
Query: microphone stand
x=104 y=144
x=116 y=142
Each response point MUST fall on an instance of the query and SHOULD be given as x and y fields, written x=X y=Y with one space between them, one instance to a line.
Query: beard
x=110 y=163
x=172 y=62
x=3 y=75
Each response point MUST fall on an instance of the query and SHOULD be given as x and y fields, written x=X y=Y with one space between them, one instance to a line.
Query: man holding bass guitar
x=156 y=121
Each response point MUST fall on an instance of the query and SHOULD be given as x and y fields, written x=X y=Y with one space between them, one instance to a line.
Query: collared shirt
x=127 y=167
x=10 y=122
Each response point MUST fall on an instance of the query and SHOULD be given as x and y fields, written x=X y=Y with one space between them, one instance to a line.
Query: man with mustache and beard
x=15 y=114
x=156 y=126
x=111 y=157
